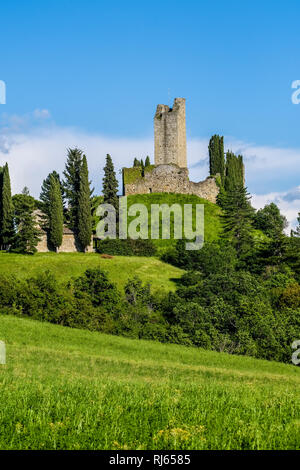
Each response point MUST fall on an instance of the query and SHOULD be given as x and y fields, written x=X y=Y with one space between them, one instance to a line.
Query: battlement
x=170 y=134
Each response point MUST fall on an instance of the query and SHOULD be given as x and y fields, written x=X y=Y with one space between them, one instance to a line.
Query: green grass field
x=67 y=265
x=75 y=389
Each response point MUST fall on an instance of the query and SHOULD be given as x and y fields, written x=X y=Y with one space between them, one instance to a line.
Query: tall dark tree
x=234 y=175
x=56 y=217
x=110 y=183
x=45 y=197
x=6 y=209
x=72 y=185
x=216 y=156
x=142 y=167
x=147 y=161
x=28 y=233
x=84 y=231
x=237 y=219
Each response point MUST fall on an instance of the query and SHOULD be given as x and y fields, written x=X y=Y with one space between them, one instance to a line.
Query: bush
x=127 y=247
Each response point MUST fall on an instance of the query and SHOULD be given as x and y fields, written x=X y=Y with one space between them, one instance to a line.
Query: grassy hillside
x=74 y=389
x=66 y=265
x=212 y=225
x=211 y=213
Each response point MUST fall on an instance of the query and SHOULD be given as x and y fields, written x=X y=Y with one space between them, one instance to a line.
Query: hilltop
x=212 y=223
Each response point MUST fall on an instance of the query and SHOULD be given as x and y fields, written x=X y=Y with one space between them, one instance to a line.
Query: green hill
x=75 y=389
x=66 y=265
x=212 y=224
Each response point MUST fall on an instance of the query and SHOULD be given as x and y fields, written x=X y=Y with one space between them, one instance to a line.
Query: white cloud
x=33 y=155
x=34 y=146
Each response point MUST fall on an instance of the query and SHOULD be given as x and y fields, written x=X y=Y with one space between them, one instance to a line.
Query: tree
x=28 y=234
x=142 y=167
x=45 y=196
x=237 y=219
x=270 y=221
x=136 y=162
x=234 y=175
x=110 y=183
x=216 y=156
x=55 y=212
x=147 y=161
x=84 y=231
x=6 y=209
x=72 y=185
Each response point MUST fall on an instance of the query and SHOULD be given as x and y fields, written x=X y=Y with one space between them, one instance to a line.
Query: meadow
x=74 y=389
x=162 y=276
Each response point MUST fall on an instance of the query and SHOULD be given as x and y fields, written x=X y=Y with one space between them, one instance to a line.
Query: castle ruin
x=169 y=174
x=170 y=134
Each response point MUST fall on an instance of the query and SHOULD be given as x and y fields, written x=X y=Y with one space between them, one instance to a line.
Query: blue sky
x=98 y=69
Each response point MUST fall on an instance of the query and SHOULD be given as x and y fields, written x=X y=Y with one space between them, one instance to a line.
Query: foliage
x=84 y=229
x=44 y=203
x=237 y=219
x=110 y=184
x=131 y=175
x=71 y=185
x=216 y=157
x=55 y=212
x=234 y=174
x=214 y=308
x=27 y=233
x=270 y=221
x=6 y=209
x=127 y=247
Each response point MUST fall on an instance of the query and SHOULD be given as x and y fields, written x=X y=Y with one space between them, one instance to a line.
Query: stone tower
x=170 y=134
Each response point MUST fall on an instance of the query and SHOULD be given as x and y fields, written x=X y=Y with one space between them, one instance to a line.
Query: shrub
x=127 y=247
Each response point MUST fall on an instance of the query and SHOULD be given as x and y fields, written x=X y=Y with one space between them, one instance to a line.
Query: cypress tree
x=216 y=156
x=147 y=161
x=6 y=209
x=234 y=171
x=45 y=197
x=72 y=185
x=136 y=162
x=84 y=232
x=142 y=167
x=237 y=219
x=110 y=183
x=55 y=213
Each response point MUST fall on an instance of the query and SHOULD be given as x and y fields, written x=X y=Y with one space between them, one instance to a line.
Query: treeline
x=63 y=202
x=241 y=294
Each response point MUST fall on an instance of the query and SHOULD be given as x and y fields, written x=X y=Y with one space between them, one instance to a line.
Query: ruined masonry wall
x=172 y=179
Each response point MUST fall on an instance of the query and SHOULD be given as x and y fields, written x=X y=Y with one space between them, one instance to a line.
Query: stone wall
x=170 y=134
x=172 y=179
x=68 y=244
x=42 y=246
